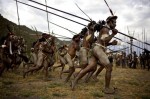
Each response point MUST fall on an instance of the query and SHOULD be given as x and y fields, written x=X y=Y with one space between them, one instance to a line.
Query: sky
x=133 y=16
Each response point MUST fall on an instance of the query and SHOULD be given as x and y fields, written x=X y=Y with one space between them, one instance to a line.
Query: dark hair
x=75 y=36
x=110 y=18
x=91 y=23
x=83 y=32
x=99 y=25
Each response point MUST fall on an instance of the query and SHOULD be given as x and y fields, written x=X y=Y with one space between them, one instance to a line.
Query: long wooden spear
x=51 y=13
x=120 y=50
x=83 y=11
x=76 y=21
x=114 y=37
x=109 y=8
x=59 y=10
x=62 y=27
x=121 y=32
x=47 y=17
x=18 y=15
x=89 y=18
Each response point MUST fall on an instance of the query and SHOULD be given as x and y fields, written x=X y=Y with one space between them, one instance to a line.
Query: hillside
x=24 y=31
x=28 y=34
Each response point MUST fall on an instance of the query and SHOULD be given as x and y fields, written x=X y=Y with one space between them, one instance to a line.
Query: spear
x=76 y=21
x=128 y=43
x=47 y=17
x=121 y=32
x=51 y=13
x=62 y=27
x=83 y=11
x=18 y=15
x=114 y=37
x=58 y=10
x=119 y=50
x=109 y=8
x=86 y=19
x=62 y=36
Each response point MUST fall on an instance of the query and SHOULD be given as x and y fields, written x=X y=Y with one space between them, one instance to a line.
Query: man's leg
x=63 y=66
x=97 y=73
x=89 y=75
x=104 y=61
x=62 y=62
x=87 y=69
x=71 y=67
x=45 y=64
x=38 y=65
x=83 y=60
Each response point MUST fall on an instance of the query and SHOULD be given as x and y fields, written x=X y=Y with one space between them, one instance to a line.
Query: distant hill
x=28 y=34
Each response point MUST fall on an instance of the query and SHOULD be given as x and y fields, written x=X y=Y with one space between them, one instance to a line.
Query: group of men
x=42 y=54
x=92 y=53
x=12 y=51
x=132 y=60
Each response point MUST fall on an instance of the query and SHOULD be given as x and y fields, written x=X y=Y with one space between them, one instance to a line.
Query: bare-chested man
x=86 y=44
x=44 y=55
x=71 y=53
x=88 y=39
x=35 y=48
x=62 y=51
x=114 y=42
x=99 y=54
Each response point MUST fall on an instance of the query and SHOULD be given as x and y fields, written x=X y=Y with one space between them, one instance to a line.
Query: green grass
x=97 y=94
x=53 y=85
x=133 y=83
x=7 y=82
x=128 y=86
x=26 y=93
x=59 y=94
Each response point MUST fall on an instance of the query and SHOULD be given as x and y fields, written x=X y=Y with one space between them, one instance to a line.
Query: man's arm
x=105 y=34
x=114 y=42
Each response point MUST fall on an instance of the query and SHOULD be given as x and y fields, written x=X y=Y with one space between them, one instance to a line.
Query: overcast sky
x=134 y=14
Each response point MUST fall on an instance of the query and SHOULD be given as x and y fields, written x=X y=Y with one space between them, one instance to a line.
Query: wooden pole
x=47 y=16
x=18 y=15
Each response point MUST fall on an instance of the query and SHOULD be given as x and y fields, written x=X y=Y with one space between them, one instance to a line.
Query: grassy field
x=130 y=84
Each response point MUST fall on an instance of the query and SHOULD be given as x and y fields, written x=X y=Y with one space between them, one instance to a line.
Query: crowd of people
x=133 y=60
x=91 y=49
